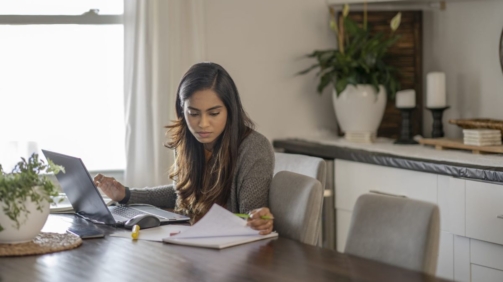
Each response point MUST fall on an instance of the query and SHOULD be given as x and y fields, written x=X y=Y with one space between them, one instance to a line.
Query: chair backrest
x=309 y=166
x=301 y=164
x=296 y=202
x=395 y=230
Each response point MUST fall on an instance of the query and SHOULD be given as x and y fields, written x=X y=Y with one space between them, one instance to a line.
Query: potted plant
x=25 y=196
x=358 y=72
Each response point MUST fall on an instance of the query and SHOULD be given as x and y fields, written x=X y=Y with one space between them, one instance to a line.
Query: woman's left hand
x=255 y=221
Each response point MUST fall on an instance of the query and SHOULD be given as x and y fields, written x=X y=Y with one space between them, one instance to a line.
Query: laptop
x=87 y=202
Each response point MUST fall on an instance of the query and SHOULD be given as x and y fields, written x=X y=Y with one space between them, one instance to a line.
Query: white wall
x=463 y=42
x=262 y=44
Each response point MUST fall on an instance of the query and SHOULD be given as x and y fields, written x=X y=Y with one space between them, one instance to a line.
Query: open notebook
x=218 y=229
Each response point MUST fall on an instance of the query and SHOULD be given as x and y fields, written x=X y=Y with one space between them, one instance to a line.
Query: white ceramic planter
x=30 y=226
x=359 y=109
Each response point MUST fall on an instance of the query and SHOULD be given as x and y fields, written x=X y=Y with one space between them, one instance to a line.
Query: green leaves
x=362 y=61
x=324 y=81
x=351 y=27
x=26 y=183
x=54 y=168
x=340 y=85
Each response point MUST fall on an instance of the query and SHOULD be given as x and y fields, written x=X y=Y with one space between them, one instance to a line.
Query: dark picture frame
x=407 y=56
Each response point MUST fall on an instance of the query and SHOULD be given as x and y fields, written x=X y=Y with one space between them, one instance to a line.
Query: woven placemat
x=42 y=244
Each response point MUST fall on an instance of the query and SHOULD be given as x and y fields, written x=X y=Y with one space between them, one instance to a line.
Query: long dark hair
x=199 y=184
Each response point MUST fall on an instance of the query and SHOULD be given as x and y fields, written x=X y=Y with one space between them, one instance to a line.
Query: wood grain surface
x=121 y=259
x=446 y=143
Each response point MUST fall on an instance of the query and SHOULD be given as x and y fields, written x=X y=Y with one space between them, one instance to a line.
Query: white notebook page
x=217 y=222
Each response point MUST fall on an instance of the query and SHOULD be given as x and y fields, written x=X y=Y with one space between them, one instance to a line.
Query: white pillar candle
x=406 y=98
x=435 y=90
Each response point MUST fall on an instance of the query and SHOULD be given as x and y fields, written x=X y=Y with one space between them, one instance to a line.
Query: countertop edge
x=459 y=170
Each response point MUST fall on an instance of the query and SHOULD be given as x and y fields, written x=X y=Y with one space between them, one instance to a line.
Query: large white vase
x=30 y=226
x=359 y=109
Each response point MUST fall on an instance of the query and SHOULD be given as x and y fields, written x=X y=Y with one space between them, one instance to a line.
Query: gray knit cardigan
x=250 y=186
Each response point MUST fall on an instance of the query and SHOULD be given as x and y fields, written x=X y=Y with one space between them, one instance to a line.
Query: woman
x=219 y=158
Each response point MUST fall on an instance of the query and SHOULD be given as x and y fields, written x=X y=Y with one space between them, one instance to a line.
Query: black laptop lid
x=80 y=189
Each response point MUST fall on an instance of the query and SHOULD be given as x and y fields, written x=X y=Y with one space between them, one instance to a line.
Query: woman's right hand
x=111 y=187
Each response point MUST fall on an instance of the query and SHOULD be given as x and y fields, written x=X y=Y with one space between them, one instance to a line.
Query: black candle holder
x=438 y=128
x=406 y=128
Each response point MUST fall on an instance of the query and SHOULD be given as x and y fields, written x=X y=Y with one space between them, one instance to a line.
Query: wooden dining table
x=123 y=259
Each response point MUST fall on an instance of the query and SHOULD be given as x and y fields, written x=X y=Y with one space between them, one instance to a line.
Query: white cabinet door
x=461 y=259
x=484 y=203
x=353 y=179
x=486 y=254
x=445 y=265
x=451 y=201
x=343 y=222
x=485 y=274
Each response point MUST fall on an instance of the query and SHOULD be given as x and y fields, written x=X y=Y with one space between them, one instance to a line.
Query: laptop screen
x=80 y=189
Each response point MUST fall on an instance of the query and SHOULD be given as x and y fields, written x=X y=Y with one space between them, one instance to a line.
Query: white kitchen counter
x=456 y=163
x=386 y=146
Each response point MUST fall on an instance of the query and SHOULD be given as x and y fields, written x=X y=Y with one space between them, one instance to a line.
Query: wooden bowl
x=484 y=123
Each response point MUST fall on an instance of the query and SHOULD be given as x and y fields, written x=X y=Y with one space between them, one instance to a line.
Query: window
x=61 y=80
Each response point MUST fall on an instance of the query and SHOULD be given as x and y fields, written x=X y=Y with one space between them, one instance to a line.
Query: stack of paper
x=482 y=137
x=218 y=229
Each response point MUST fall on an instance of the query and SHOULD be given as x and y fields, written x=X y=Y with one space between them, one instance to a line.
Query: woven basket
x=478 y=123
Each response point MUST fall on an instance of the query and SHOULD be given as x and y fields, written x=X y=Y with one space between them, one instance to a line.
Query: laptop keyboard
x=126 y=212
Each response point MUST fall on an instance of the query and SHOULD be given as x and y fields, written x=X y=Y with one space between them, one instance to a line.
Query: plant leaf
x=351 y=27
x=362 y=62
x=54 y=167
x=308 y=69
x=340 y=85
x=325 y=80
x=18 y=186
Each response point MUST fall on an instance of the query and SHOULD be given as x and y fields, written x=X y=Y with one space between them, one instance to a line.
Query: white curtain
x=163 y=38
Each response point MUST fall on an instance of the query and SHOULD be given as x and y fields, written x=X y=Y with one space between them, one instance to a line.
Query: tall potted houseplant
x=25 y=196
x=357 y=70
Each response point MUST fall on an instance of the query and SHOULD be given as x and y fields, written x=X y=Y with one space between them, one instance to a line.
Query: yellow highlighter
x=136 y=232
x=246 y=216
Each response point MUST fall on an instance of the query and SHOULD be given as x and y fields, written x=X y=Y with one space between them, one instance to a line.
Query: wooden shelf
x=444 y=143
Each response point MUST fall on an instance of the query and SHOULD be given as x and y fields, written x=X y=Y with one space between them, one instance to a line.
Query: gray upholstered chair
x=395 y=230
x=301 y=164
x=296 y=202
x=309 y=166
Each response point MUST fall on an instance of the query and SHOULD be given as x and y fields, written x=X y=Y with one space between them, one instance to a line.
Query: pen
x=136 y=232
x=244 y=215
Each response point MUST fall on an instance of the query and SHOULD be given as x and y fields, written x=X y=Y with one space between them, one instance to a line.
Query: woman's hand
x=255 y=221
x=111 y=187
